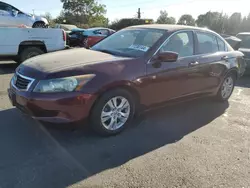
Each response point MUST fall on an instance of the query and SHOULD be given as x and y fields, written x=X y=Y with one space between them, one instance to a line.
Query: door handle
x=194 y=63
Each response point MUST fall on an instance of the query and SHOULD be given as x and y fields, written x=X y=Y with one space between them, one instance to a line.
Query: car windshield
x=129 y=42
x=245 y=41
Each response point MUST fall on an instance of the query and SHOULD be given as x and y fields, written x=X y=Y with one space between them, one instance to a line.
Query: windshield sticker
x=139 y=47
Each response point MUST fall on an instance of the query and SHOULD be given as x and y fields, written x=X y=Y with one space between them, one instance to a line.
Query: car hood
x=75 y=60
x=245 y=51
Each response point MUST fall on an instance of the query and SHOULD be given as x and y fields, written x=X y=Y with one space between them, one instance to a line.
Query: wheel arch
x=39 y=21
x=33 y=43
x=128 y=86
x=233 y=71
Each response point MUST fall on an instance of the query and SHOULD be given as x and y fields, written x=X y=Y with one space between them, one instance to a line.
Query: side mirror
x=14 y=13
x=166 y=57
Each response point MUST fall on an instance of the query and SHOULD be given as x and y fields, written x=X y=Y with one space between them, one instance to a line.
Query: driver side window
x=181 y=43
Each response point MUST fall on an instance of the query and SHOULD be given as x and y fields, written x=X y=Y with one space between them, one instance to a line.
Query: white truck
x=20 y=44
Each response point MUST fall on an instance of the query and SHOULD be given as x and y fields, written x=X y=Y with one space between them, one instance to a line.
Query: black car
x=245 y=47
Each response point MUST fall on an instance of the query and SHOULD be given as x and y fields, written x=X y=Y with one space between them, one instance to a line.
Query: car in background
x=87 y=37
x=20 y=44
x=13 y=17
x=232 y=40
x=135 y=68
x=245 y=47
x=75 y=37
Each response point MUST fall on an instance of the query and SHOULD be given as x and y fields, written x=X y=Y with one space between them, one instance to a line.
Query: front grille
x=22 y=82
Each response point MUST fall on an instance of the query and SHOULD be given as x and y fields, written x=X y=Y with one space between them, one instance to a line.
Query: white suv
x=12 y=17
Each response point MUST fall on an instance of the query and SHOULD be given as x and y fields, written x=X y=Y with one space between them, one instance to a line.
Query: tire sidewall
x=98 y=107
x=219 y=95
x=26 y=52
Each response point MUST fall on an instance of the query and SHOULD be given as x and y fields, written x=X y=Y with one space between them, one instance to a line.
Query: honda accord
x=137 y=68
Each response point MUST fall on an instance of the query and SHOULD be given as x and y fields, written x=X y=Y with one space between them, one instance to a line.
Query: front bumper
x=53 y=108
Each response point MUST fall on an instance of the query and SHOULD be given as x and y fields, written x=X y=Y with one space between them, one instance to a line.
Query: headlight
x=67 y=84
x=13 y=79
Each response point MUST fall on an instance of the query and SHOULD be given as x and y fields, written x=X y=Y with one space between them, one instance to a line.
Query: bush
x=120 y=24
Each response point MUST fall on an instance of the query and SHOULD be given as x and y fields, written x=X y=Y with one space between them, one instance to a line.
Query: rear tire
x=121 y=117
x=226 y=88
x=29 y=52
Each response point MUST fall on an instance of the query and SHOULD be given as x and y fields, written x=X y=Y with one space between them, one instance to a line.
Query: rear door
x=211 y=62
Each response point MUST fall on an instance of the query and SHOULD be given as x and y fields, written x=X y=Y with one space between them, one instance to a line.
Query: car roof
x=169 y=27
x=244 y=33
x=96 y=28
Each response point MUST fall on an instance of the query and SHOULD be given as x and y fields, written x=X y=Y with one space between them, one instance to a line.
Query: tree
x=213 y=20
x=171 y=20
x=186 y=19
x=120 y=24
x=234 y=23
x=245 y=24
x=88 y=12
x=164 y=19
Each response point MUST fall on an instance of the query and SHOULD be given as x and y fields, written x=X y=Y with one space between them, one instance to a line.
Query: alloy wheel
x=227 y=87
x=115 y=113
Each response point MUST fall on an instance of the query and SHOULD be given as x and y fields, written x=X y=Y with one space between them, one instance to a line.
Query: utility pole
x=139 y=13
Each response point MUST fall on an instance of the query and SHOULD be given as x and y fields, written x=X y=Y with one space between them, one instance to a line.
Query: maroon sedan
x=140 y=66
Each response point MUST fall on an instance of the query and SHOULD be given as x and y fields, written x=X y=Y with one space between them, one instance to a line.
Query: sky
x=117 y=9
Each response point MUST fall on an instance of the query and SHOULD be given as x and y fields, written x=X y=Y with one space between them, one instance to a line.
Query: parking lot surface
x=195 y=144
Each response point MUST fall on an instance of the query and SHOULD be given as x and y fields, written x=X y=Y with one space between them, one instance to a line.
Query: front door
x=171 y=80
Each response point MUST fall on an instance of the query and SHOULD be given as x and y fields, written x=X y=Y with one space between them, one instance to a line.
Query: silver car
x=12 y=17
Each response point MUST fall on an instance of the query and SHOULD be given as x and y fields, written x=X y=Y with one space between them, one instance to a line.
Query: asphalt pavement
x=200 y=143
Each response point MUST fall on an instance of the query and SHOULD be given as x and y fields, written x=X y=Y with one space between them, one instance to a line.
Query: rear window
x=101 y=32
x=207 y=43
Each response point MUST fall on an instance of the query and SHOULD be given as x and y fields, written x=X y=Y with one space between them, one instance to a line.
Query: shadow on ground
x=95 y=154
x=244 y=81
x=8 y=68
x=149 y=132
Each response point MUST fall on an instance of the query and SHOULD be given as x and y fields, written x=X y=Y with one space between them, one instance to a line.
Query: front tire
x=226 y=88
x=113 y=112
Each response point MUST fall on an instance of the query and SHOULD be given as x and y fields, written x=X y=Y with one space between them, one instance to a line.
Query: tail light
x=64 y=35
